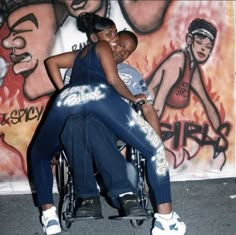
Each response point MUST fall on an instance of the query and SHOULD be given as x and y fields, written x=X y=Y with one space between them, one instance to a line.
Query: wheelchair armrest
x=138 y=106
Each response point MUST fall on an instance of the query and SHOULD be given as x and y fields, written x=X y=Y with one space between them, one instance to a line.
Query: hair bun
x=86 y=21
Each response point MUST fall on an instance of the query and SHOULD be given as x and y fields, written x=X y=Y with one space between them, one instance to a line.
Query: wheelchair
x=66 y=190
x=65 y=186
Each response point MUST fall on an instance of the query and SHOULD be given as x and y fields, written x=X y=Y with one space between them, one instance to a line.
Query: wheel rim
x=66 y=213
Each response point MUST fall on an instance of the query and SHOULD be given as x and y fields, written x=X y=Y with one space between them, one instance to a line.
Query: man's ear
x=93 y=37
x=189 y=38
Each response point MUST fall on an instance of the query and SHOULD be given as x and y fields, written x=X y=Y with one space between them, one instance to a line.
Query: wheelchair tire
x=61 y=174
x=66 y=213
x=137 y=223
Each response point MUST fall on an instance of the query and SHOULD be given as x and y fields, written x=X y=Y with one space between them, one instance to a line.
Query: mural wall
x=190 y=78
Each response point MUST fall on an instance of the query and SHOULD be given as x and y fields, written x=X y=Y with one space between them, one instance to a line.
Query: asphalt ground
x=208 y=207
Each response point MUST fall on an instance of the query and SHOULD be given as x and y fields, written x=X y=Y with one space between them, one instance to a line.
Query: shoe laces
x=49 y=216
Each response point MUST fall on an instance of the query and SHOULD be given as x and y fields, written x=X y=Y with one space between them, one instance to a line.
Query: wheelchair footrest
x=129 y=217
x=87 y=218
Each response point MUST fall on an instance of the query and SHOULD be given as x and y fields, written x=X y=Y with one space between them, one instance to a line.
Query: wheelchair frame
x=66 y=189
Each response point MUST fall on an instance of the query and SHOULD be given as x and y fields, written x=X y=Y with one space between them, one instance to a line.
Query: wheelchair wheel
x=66 y=213
x=62 y=173
x=141 y=185
x=144 y=204
x=137 y=223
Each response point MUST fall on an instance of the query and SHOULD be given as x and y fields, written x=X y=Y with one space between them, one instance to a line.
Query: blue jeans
x=106 y=104
x=86 y=138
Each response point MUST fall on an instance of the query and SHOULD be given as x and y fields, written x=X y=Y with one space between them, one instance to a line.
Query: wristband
x=140 y=103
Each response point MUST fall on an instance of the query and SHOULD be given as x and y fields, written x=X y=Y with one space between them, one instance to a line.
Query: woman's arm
x=109 y=66
x=53 y=65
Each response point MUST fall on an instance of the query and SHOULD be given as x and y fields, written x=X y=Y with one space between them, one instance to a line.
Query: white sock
x=50 y=211
x=166 y=216
x=123 y=194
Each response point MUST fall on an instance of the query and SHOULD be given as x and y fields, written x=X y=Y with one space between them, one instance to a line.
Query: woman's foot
x=173 y=226
x=50 y=221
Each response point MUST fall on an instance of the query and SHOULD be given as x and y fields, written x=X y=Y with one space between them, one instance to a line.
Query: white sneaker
x=50 y=221
x=168 y=227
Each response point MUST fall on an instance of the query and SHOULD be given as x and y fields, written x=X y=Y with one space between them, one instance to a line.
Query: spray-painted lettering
x=21 y=115
x=80 y=95
x=180 y=132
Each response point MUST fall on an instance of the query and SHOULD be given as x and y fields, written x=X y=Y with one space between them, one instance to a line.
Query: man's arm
x=136 y=84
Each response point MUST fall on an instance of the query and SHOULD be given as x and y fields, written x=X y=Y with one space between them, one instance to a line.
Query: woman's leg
x=117 y=115
x=43 y=147
x=134 y=130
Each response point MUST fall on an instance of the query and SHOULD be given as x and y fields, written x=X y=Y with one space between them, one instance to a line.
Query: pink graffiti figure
x=179 y=73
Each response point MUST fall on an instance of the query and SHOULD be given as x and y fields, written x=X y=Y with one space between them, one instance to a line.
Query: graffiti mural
x=187 y=60
x=176 y=77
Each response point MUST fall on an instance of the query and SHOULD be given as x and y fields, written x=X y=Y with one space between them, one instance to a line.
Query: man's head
x=127 y=43
x=201 y=38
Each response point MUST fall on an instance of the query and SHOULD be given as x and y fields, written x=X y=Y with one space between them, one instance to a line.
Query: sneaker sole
x=52 y=230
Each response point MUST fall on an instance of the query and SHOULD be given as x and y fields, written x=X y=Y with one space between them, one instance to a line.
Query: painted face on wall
x=30 y=40
x=201 y=48
x=75 y=7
